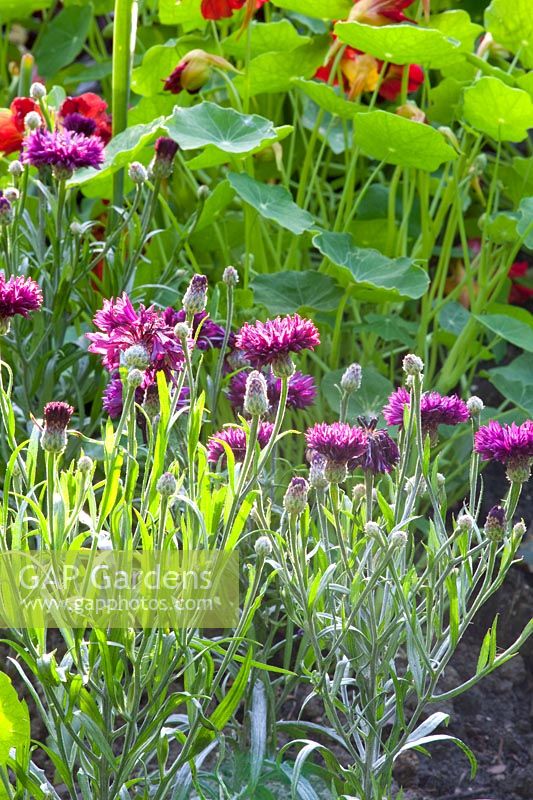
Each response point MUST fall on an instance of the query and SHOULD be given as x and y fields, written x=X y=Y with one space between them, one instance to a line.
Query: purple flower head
x=302 y=390
x=295 y=499
x=6 y=210
x=113 y=401
x=64 y=151
x=340 y=443
x=495 y=524
x=166 y=149
x=381 y=453
x=18 y=295
x=146 y=395
x=273 y=341
x=195 y=298
x=57 y=416
x=121 y=326
x=236 y=439
x=79 y=124
x=435 y=410
x=208 y=332
x=510 y=444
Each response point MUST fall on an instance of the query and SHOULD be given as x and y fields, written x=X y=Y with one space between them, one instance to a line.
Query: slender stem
x=124 y=34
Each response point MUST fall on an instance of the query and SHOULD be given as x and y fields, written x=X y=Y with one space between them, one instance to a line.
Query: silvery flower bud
x=137 y=173
x=85 y=464
x=372 y=529
x=255 y=396
x=76 y=228
x=230 y=276
x=263 y=547
x=135 y=378
x=358 y=492
x=412 y=365
x=195 y=298
x=475 y=405
x=16 y=168
x=37 y=91
x=12 y=194
x=151 y=401
x=495 y=524
x=398 y=539
x=317 y=473
x=203 y=193
x=465 y=522
x=167 y=484
x=32 y=121
x=519 y=529
x=295 y=499
x=136 y=357
x=351 y=379
x=182 y=331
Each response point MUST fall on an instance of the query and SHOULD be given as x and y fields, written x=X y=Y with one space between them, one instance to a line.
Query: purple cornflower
x=145 y=395
x=510 y=444
x=64 y=151
x=210 y=335
x=273 y=341
x=6 y=210
x=435 y=410
x=121 y=326
x=79 y=124
x=18 y=295
x=236 y=439
x=340 y=444
x=57 y=416
x=165 y=152
x=381 y=454
x=301 y=394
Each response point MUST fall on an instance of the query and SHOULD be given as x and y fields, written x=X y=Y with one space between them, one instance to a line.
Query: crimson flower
x=512 y=445
x=12 y=123
x=273 y=341
x=379 y=12
x=435 y=410
x=88 y=106
x=18 y=296
x=235 y=437
x=519 y=294
x=219 y=9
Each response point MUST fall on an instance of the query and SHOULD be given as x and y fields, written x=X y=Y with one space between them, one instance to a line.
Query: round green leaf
x=400 y=44
x=367 y=401
x=396 y=140
x=328 y=98
x=367 y=270
x=181 y=12
x=321 y=9
x=272 y=202
x=211 y=156
x=458 y=26
x=17 y=9
x=511 y=24
x=498 y=110
x=14 y=719
x=525 y=221
x=515 y=325
x=287 y=292
x=63 y=39
x=273 y=72
x=264 y=37
x=515 y=381
x=226 y=129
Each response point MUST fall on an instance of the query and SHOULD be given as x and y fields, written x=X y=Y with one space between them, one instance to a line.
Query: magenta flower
x=302 y=390
x=113 y=397
x=236 y=439
x=17 y=296
x=273 y=341
x=381 y=454
x=510 y=444
x=78 y=123
x=435 y=410
x=211 y=335
x=121 y=326
x=64 y=150
x=57 y=416
x=339 y=442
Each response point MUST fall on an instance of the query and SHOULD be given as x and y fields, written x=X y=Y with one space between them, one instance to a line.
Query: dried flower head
x=64 y=151
x=273 y=342
x=57 y=416
x=235 y=438
x=512 y=445
x=18 y=295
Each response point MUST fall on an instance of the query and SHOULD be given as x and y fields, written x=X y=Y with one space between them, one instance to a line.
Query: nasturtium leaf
x=511 y=24
x=444 y=101
x=17 y=9
x=457 y=25
x=272 y=202
x=397 y=140
x=498 y=110
x=14 y=720
x=366 y=270
x=501 y=227
x=286 y=292
x=148 y=108
x=321 y=9
x=273 y=72
x=400 y=44
x=157 y=64
x=181 y=12
x=515 y=381
x=264 y=37
x=515 y=325
x=328 y=98
x=525 y=82
x=211 y=156
x=225 y=128
x=525 y=221
x=389 y=328
x=453 y=317
x=220 y=197
x=63 y=39
x=368 y=401
x=79 y=73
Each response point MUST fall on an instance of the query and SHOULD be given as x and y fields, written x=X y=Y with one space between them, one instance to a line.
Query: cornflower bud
x=182 y=331
x=135 y=378
x=295 y=499
x=398 y=539
x=12 y=194
x=16 y=168
x=255 y=397
x=165 y=152
x=57 y=416
x=37 y=91
x=263 y=547
x=32 y=121
x=136 y=357
x=495 y=524
x=475 y=406
x=137 y=173
x=76 y=228
x=519 y=529
x=151 y=401
x=85 y=464
x=230 y=276
x=195 y=298
x=167 y=484
x=412 y=365
x=317 y=473
x=203 y=193
x=465 y=522
x=358 y=492
x=351 y=379
x=6 y=210
x=372 y=529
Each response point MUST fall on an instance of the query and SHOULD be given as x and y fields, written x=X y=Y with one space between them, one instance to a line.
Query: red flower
x=519 y=294
x=12 y=123
x=379 y=12
x=92 y=107
x=218 y=9
x=391 y=85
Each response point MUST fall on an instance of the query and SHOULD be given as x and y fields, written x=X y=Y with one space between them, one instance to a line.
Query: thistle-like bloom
x=495 y=524
x=57 y=416
x=79 y=124
x=206 y=333
x=64 y=151
x=301 y=394
x=235 y=438
x=165 y=152
x=273 y=342
x=17 y=296
x=381 y=454
x=512 y=445
x=121 y=326
x=88 y=106
x=340 y=444
x=435 y=410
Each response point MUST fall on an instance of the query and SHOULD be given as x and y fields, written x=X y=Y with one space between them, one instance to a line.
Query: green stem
x=125 y=26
